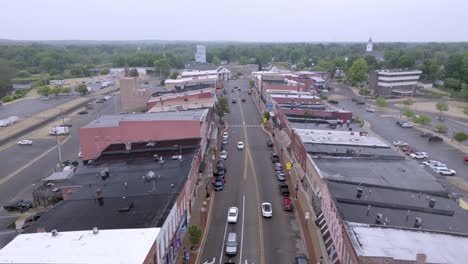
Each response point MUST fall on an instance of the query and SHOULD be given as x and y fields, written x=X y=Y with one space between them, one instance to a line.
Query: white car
x=370 y=110
x=432 y=163
x=233 y=213
x=267 y=211
x=418 y=155
x=445 y=171
x=223 y=154
x=225 y=141
x=406 y=125
x=107 y=97
x=25 y=142
x=399 y=143
x=80 y=155
x=240 y=145
x=225 y=135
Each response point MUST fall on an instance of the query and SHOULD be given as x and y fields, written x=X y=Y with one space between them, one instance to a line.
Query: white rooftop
x=334 y=137
x=404 y=244
x=399 y=72
x=292 y=95
x=107 y=246
x=191 y=78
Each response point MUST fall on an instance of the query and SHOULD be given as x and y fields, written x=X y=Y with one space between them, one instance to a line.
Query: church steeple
x=369 y=45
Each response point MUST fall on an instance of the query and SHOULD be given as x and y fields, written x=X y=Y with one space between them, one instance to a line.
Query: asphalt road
x=18 y=178
x=385 y=127
x=250 y=181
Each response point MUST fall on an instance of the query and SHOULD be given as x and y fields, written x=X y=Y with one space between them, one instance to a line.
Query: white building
x=369 y=45
x=393 y=82
x=200 y=55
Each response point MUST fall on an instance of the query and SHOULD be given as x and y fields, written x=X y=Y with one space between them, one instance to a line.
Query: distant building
x=393 y=82
x=378 y=55
x=200 y=55
x=369 y=45
x=133 y=96
x=189 y=100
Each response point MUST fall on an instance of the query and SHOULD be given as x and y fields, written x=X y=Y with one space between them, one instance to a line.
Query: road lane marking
x=242 y=229
x=254 y=174
x=13 y=174
x=222 y=247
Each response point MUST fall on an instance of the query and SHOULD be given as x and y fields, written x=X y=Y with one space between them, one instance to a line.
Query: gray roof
x=201 y=66
x=405 y=174
x=334 y=150
x=114 y=120
x=445 y=216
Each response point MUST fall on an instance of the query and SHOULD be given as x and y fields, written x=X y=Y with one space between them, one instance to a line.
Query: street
x=250 y=181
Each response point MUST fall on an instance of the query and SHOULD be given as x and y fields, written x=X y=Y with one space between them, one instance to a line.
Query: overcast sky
x=238 y=20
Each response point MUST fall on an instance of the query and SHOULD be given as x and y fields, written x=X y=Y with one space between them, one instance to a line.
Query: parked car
x=30 y=220
x=333 y=101
x=218 y=183
x=445 y=171
x=274 y=157
x=399 y=143
x=243 y=100
x=280 y=175
x=301 y=259
x=406 y=125
x=435 y=139
x=465 y=158
x=84 y=112
x=426 y=134
x=240 y=145
x=360 y=102
x=225 y=135
x=25 y=142
x=433 y=163
x=269 y=143
x=223 y=154
x=233 y=213
x=287 y=204
x=278 y=167
x=418 y=155
x=267 y=210
x=284 y=190
x=21 y=205
x=440 y=118
x=354 y=99
x=234 y=101
x=370 y=110
x=223 y=146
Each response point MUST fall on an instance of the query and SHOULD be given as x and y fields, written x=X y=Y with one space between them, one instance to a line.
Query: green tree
x=441 y=128
x=422 y=119
x=452 y=83
x=267 y=115
x=408 y=113
x=104 y=72
x=216 y=60
x=82 y=89
x=133 y=72
x=392 y=58
x=408 y=102
x=460 y=136
x=430 y=70
x=222 y=107
x=44 y=90
x=406 y=61
x=358 y=72
x=23 y=74
x=56 y=90
x=195 y=234
x=381 y=102
x=162 y=67
x=174 y=75
x=442 y=106
x=251 y=83
x=465 y=110
x=66 y=90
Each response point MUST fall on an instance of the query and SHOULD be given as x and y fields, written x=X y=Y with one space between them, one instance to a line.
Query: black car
x=21 y=205
x=243 y=99
x=269 y=143
x=30 y=220
x=223 y=146
x=435 y=139
x=426 y=134
x=218 y=184
x=284 y=190
x=301 y=259
x=84 y=112
x=234 y=101
x=333 y=101
x=360 y=102
x=354 y=99
x=274 y=158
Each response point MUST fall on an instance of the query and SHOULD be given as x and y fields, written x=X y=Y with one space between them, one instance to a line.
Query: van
x=231 y=244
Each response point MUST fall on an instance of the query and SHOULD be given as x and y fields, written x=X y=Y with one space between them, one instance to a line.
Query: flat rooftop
x=399 y=208
x=293 y=96
x=334 y=137
x=372 y=241
x=396 y=173
x=107 y=246
x=114 y=120
x=398 y=72
x=148 y=199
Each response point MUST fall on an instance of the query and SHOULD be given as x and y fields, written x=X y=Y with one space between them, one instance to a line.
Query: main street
x=23 y=167
x=250 y=181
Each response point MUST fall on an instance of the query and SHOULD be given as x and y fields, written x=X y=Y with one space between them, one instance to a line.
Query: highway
x=23 y=167
x=250 y=181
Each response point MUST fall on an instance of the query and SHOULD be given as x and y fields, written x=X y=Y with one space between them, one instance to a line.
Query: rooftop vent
x=378 y=219
x=54 y=232
x=358 y=192
x=432 y=203
x=95 y=230
x=150 y=175
x=104 y=174
x=126 y=209
x=418 y=222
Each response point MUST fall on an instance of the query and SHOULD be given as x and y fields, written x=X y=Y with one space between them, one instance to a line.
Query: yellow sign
x=265 y=120
x=288 y=165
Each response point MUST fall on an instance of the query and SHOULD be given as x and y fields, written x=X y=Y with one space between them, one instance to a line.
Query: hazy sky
x=240 y=20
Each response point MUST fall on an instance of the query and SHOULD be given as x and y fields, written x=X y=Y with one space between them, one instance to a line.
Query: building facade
x=200 y=55
x=394 y=82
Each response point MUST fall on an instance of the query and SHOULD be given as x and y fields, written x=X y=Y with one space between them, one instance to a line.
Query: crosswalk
x=245 y=125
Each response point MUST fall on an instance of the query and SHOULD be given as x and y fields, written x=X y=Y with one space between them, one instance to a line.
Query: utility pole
x=58 y=147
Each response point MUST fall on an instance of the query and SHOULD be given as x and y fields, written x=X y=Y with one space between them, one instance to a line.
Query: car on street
x=287 y=204
x=233 y=213
x=233 y=101
x=223 y=146
x=280 y=176
x=223 y=154
x=406 y=125
x=240 y=145
x=274 y=157
x=360 y=102
x=284 y=189
x=84 y=112
x=25 y=142
x=418 y=155
x=243 y=100
x=225 y=135
x=433 y=163
x=465 y=158
x=225 y=141
x=269 y=143
x=231 y=244
x=218 y=183
x=333 y=101
x=399 y=143
x=435 y=139
x=267 y=210
x=370 y=110
x=278 y=167
x=21 y=205
x=301 y=259
x=426 y=134
x=354 y=99
x=445 y=171
x=30 y=220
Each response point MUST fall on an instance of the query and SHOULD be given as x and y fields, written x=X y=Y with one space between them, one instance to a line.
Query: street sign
x=288 y=165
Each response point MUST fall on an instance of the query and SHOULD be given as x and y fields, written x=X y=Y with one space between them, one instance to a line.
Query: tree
x=133 y=73
x=465 y=110
x=408 y=113
x=452 y=83
x=23 y=74
x=44 y=90
x=408 y=102
x=358 y=72
x=392 y=58
x=442 y=106
x=216 y=60
x=267 y=115
x=381 y=102
x=251 y=83
x=56 y=90
x=195 y=234
x=222 y=107
x=406 y=61
x=82 y=89
x=174 y=75
x=422 y=120
x=441 y=128
x=430 y=70
x=104 y=72
x=162 y=67
x=460 y=136
x=66 y=90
